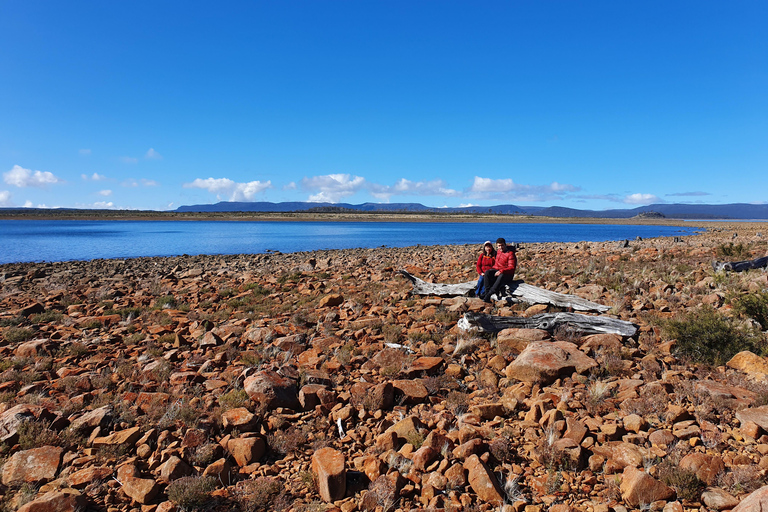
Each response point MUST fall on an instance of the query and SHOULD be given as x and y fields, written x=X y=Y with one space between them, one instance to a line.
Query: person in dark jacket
x=503 y=271
x=485 y=262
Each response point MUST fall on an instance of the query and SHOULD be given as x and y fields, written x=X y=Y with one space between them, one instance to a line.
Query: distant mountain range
x=675 y=211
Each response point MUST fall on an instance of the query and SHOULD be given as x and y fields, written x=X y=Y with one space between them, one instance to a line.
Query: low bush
x=191 y=492
x=34 y=434
x=262 y=494
x=684 y=482
x=754 y=306
x=234 y=399
x=707 y=336
x=46 y=317
x=732 y=252
x=165 y=302
x=18 y=334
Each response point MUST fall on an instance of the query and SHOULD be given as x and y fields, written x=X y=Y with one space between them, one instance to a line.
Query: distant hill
x=740 y=211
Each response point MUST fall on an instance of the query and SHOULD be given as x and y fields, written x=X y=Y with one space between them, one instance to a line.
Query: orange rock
x=328 y=466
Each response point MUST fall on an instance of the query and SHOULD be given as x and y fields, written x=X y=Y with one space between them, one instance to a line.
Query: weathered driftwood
x=519 y=291
x=740 y=266
x=549 y=322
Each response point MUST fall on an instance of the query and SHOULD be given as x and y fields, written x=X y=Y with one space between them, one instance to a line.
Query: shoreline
x=362 y=217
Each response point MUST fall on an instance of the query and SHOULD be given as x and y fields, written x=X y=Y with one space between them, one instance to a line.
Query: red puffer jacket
x=485 y=262
x=506 y=262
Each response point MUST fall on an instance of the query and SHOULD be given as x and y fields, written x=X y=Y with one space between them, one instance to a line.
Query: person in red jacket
x=485 y=262
x=503 y=271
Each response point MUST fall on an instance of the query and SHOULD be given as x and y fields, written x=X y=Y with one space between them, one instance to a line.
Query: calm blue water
x=64 y=240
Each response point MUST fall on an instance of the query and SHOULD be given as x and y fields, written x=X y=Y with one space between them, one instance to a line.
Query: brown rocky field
x=317 y=381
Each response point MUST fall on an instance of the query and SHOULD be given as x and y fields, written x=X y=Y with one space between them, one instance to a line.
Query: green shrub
x=46 y=317
x=684 y=482
x=257 y=290
x=753 y=305
x=12 y=322
x=706 y=336
x=34 y=434
x=191 y=492
x=165 y=302
x=261 y=494
x=18 y=334
x=234 y=399
x=732 y=252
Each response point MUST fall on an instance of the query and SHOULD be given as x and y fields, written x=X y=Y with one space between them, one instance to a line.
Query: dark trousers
x=494 y=281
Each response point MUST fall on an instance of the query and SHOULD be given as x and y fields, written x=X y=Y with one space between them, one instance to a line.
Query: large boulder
x=543 y=362
x=638 y=488
x=329 y=467
x=38 y=465
x=758 y=500
x=271 y=390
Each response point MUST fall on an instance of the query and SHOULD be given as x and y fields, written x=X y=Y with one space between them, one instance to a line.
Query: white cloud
x=408 y=187
x=151 y=154
x=132 y=183
x=691 y=194
x=467 y=205
x=21 y=177
x=128 y=159
x=332 y=187
x=28 y=204
x=641 y=199
x=84 y=152
x=224 y=187
x=562 y=187
x=103 y=205
x=291 y=186
x=93 y=177
x=481 y=186
x=5 y=198
x=507 y=190
x=105 y=193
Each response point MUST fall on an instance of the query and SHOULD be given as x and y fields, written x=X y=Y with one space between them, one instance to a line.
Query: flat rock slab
x=34 y=466
x=758 y=415
x=543 y=362
x=56 y=501
x=127 y=436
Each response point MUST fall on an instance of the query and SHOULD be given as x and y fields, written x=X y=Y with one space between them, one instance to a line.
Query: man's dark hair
x=501 y=241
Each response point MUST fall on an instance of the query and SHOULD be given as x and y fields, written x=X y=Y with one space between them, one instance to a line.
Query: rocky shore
x=317 y=381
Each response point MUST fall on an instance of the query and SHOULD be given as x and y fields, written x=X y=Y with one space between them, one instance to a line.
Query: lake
x=65 y=240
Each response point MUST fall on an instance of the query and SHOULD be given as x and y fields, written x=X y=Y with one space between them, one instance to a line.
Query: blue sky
x=604 y=104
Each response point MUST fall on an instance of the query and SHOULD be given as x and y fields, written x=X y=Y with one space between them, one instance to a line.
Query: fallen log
x=740 y=266
x=549 y=322
x=518 y=290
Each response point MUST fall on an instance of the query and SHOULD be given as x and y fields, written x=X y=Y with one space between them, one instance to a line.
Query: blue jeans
x=480 y=288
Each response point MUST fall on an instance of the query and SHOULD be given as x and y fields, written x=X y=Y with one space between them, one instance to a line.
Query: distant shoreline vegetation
x=319 y=214
x=406 y=212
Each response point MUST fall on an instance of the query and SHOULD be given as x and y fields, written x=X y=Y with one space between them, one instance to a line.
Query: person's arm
x=478 y=265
